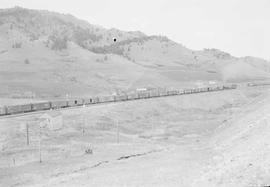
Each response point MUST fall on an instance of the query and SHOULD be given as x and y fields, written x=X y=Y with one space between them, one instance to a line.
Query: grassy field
x=162 y=142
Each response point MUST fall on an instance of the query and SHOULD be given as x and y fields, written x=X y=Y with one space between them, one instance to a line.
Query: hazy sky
x=240 y=27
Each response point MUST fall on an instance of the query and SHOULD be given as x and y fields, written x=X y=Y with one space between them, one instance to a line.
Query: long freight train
x=17 y=109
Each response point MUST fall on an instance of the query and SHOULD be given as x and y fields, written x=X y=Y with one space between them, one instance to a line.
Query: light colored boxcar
x=117 y=98
x=79 y=102
x=187 y=91
x=59 y=104
x=122 y=97
x=2 y=110
x=172 y=92
x=154 y=93
x=41 y=106
x=95 y=100
x=162 y=92
x=180 y=92
x=133 y=96
x=105 y=99
x=75 y=102
x=71 y=102
x=143 y=95
x=87 y=101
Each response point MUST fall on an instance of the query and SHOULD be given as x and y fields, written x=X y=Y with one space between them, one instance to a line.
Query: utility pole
x=117 y=131
x=84 y=120
x=40 y=144
x=27 y=134
x=152 y=129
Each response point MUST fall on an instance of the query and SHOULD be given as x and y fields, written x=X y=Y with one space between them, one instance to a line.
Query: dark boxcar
x=117 y=98
x=59 y=104
x=16 y=109
x=169 y=92
x=233 y=86
x=3 y=110
x=41 y=106
x=123 y=97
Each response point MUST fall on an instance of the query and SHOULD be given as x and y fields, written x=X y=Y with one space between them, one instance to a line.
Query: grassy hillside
x=50 y=55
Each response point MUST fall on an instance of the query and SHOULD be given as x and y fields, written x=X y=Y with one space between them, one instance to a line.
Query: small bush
x=26 y=61
x=89 y=151
x=17 y=45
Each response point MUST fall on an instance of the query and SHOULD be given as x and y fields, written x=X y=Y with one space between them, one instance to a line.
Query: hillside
x=50 y=55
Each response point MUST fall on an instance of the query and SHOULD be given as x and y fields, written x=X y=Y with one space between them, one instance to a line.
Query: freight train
x=50 y=105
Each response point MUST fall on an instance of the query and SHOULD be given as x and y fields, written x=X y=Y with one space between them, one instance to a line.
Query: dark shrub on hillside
x=83 y=36
x=58 y=42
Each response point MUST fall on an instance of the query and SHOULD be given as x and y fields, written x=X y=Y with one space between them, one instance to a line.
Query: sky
x=240 y=27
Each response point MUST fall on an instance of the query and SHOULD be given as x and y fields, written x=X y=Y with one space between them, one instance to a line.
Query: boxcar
x=162 y=92
x=87 y=101
x=154 y=93
x=16 y=109
x=79 y=102
x=180 y=92
x=121 y=97
x=71 y=103
x=95 y=100
x=233 y=86
x=59 y=104
x=3 y=110
x=187 y=91
x=75 y=102
x=143 y=95
x=41 y=106
x=133 y=96
x=202 y=89
x=106 y=99
x=173 y=92
x=193 y=90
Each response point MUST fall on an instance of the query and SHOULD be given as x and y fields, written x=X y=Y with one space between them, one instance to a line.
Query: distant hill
x=50 y=55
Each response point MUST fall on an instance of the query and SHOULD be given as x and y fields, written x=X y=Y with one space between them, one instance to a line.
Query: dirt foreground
x=209 y=139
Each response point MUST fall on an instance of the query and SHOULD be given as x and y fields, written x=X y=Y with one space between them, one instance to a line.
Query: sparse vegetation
x=58 y=42
x=83 y=36
x=17 y=45
x=26 y=61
